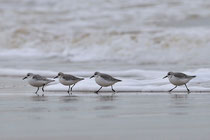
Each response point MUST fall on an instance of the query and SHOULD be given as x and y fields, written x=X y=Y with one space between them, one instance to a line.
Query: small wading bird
x=68 y=80
x=178 y=79
x=104 y=80
x=37 y=81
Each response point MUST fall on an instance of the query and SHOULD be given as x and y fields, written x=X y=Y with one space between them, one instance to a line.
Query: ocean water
x=139 y=32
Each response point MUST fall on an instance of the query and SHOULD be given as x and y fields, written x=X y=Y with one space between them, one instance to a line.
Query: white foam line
x=125 y=73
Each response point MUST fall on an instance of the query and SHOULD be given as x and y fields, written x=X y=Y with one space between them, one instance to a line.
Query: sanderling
x=104 y=80
x=178 y=79
x=37 y=81
x=68 y=80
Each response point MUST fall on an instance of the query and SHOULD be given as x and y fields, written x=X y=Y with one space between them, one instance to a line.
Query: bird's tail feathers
x=82 y=79
x=118 y=80
x=52 y=80
x=193 y=76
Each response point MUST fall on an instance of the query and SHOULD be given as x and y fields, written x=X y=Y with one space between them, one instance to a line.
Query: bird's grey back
x=182 y=75
x=71 y=77
x=39 y=77
x=109 y=77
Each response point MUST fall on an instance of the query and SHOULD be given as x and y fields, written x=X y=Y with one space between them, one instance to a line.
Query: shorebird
x=104 y=80
x=37 y=81
x=68 y=80
x=179 y=79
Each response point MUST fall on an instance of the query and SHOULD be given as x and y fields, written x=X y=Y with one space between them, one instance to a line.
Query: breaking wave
x=137 y=31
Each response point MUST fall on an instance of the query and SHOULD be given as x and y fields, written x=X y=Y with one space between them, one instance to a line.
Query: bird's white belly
x=67 y=83
x=102 y=82
x=36 y=83
x=178 y=81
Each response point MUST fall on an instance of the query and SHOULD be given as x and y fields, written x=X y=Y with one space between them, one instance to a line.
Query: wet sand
x=89 y=116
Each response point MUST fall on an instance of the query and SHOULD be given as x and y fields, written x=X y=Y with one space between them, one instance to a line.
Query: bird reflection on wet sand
x=68 y=98
x=39 y=98
x=179 y=103
x=107 y=98
x=179 y=96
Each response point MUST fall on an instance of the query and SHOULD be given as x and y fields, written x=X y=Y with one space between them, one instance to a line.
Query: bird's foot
x=68 y=92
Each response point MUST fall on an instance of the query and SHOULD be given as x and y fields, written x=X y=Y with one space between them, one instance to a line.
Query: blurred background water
x=134 y=32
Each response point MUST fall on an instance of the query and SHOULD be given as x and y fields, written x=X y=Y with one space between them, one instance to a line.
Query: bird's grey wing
x=38 y=77
x=71 y=77
x=180 y=75
x=109 y=78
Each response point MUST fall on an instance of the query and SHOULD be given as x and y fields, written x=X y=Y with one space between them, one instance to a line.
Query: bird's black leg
x=37 y=91
x=68 y=90
x=187 y=88
x=172 y=89
x=43 y=88
x=72 y=87
x=113 y=89
x=98 y=90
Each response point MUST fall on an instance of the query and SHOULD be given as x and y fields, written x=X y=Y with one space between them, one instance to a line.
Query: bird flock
x=102 y=79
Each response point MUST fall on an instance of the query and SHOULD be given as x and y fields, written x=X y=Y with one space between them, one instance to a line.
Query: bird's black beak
x=56 y=77
x=24 y=78
x=165 y=77
x=91 y=76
